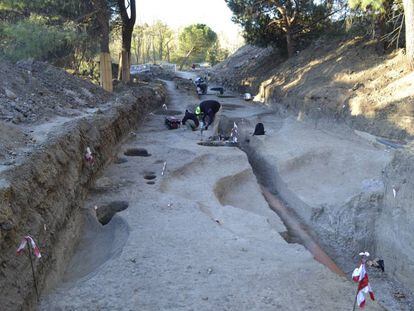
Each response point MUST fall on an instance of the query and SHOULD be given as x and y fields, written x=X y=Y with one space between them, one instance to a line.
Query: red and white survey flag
x=32 y=244
x=88 y=156
x=360 y=275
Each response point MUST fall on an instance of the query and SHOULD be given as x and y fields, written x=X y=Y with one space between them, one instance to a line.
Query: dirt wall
x=43 y=195
x=341 y=79
x=395 y=226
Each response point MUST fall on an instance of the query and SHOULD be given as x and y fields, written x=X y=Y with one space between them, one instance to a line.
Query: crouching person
x=190 y=120
x=211 y=112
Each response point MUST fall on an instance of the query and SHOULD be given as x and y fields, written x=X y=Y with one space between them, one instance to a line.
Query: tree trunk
x=154 y=58
x=105 y=65
x=124 y=72
x=290 y=43
x=127 y=29
x=409 y=31
x=160 y=46
x=329 y=6
x=168 y=53
x=105 y=69
x=137 y=51
x=148 y=51
x=379 y=31
x=186 y=58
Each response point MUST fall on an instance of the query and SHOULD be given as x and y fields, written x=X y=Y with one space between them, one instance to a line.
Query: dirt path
x=183 y=243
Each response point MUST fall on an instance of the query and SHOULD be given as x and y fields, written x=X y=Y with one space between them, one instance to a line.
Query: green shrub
x=33 y=38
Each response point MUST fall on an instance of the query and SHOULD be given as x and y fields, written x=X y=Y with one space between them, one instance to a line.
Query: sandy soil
x=187 y=244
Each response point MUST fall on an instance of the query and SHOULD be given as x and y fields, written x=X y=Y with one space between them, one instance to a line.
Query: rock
x=399 y=295
x=357 y=86
x=103 y=183
x=7 y=226
x=10 y=94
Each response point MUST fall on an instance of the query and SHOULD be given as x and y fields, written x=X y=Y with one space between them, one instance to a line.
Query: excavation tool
x=201 y=130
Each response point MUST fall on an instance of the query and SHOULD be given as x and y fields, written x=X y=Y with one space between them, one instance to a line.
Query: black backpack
x=259 y=129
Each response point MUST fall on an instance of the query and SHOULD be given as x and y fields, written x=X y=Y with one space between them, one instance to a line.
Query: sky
x=180 y=13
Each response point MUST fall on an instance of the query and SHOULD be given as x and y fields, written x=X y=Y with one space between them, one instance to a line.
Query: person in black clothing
x=201 y=85
x=191 y=120
x=209 y=109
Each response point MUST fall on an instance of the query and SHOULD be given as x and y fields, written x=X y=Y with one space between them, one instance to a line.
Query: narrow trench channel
x=295 y=228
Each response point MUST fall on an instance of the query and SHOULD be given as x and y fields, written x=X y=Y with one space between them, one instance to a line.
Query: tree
x=137 y=42
x=380 y=8
x=128 y=22
x=377 y=10
x=44 y=29
x=216 y=54
x=278 y=22
x=105 y=64
x=409 y=31
x=262 y=16
x=195 y=39
x=163 y=36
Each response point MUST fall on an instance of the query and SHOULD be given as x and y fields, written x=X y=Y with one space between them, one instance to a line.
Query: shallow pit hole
x=120 y=160
x=105 y=212
x=150 y=176
x=217 y=143
x=137 y=152
x=151 y=183
x=97 y=245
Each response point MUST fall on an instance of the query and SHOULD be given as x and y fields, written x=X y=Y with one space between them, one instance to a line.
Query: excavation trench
x=297 y=231
x=295 y=227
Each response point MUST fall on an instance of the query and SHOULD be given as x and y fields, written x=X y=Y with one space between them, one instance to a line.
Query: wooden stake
x=33 y=272
x=355 y=301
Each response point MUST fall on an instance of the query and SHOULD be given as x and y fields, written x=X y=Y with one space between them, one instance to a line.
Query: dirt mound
x=11 y=137
x=340 y=79
x=32 y=91
x=185 y=85
x=154 y=72
x=247 y=68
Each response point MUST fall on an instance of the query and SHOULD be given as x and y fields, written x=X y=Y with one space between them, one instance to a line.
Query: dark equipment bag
x=172 y=122
x=259 y=129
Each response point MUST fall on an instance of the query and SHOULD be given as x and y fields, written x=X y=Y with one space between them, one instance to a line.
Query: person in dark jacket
x=191 y=120
x=201 y=86
x=209 y=109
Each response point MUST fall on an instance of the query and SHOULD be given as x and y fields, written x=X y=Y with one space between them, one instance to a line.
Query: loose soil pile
x=32 y=91
x=247 y=68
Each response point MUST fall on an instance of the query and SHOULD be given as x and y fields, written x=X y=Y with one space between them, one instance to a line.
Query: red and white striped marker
x=88 y=156
x=360 y=276
x=32 y=244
